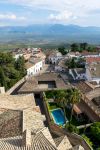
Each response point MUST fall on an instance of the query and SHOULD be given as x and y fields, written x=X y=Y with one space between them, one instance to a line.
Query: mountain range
x=50 y=29
x=50 y=32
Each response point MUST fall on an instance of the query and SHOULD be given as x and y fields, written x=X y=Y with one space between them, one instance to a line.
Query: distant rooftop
x=95 y=70
x=28 y=65
x=86 y=53
x=32 y=61
x=92 y=59
x=55 y=53
x=62 y=63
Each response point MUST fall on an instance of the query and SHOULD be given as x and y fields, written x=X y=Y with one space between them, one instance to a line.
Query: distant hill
x=56 y=32
x=51 y=29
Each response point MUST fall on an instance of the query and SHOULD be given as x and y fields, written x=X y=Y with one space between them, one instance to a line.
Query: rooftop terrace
x=33 y=84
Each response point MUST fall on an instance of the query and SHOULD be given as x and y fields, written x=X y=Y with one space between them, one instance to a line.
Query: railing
x=84 y=126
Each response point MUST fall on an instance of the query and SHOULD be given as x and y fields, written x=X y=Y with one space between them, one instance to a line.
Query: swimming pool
x=58 y=116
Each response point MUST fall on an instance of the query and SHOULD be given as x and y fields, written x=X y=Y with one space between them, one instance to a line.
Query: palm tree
x=74 y=98
x=61 y=99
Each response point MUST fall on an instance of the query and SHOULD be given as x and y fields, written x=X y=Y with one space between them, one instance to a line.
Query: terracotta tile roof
x=55 y=54
x=32 y=61
x=77 y=109
x=85 y=53
x=92 y=59
x=62 y=63
x=28 y=65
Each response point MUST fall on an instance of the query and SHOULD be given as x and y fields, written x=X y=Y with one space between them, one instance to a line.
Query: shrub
x=72 y=128
x=95 y=130
x=87 y=140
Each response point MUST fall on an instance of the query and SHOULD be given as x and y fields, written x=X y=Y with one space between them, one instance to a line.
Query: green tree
x=61 y=99
x=87 y=140
x=20 y=66
x=11 y=70
x=6 y=58
x=84 y=46
x=62 y=50
x=2 y=78
x=71 y=63
x=72 y=128
x=73 y=99
x=75 y=47
x=91 y=49
x=75 y=63
x=95 y=130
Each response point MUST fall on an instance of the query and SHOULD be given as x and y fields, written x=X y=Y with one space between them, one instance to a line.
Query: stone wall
x=12 y=89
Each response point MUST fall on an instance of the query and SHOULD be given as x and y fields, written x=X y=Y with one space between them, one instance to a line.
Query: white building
x=34 y=66
x=86 y=54
x=17 y=56
x=73 y=54
x=91 y=73
x=54 y=57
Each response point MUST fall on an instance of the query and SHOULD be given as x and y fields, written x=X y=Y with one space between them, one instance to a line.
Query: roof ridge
x=58 y=140
x=46 y=141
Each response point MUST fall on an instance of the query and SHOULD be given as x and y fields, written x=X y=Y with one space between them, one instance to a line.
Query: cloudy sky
x=26 y=12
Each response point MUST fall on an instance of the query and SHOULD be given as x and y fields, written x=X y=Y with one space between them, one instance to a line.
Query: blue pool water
x=58 y=116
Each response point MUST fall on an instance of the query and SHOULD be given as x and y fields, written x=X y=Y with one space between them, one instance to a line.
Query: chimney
x=2 y=90
x=26 y=138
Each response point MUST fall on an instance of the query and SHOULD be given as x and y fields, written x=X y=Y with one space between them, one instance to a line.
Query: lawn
x=52 y=105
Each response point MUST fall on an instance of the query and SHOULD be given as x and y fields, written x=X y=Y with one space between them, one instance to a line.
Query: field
x=8 y=46
x=10 y=41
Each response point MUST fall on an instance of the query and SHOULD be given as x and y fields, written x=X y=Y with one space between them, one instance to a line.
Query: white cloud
x=10 y=16
x=77 y=7
x=62 y=16
x=58 y=4
x=80 y=12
